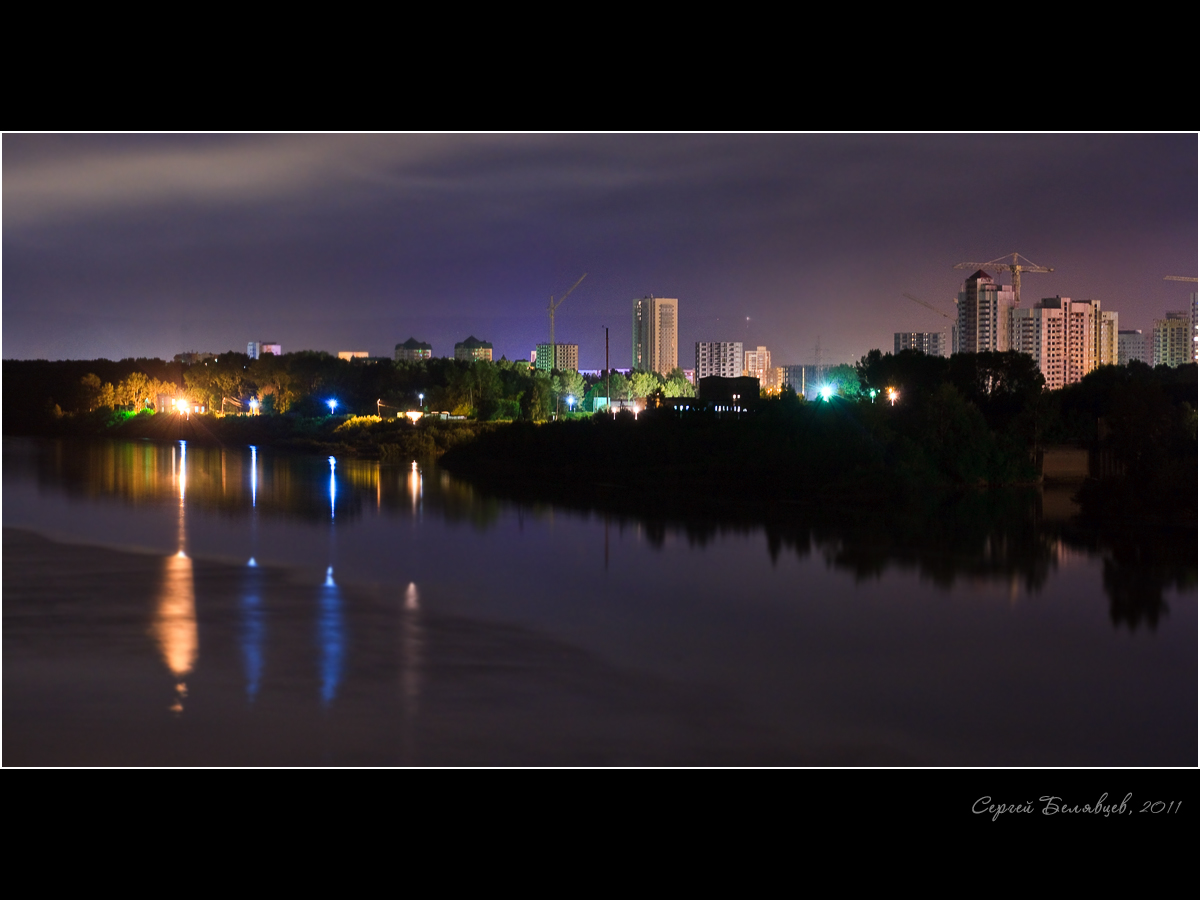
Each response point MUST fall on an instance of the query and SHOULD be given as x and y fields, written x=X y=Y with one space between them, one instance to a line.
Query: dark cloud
x=147 y=245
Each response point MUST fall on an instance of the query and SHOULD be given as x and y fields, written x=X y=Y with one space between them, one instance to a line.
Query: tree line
x=302 y=383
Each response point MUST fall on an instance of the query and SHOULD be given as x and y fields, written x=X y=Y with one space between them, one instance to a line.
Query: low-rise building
x=255 y=349
x=473 y=348
x=739 y=392
x=192 y=357
x=413 y=350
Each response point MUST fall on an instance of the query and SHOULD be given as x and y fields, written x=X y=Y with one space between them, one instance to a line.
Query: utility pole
x=607 y=394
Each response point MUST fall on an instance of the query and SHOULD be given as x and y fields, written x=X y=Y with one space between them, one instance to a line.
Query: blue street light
x=570 y=403
x=332 y=406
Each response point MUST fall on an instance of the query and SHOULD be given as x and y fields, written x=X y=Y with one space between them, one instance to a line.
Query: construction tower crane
x=929 y=306
x=1004 y=264
x=555 y=304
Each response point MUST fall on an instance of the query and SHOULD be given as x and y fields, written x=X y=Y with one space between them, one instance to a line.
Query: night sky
x=131 y=245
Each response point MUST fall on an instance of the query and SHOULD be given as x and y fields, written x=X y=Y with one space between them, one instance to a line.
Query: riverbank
x=367 y=437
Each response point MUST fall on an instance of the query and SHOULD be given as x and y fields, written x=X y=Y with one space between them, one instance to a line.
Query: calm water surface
x=171 y=604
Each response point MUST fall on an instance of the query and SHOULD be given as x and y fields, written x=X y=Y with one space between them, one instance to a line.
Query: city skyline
x=140 y=245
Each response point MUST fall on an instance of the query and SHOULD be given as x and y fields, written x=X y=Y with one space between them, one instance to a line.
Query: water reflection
x=331 y=637
x=254 y=629
x=1014 y=538
x=353 y=604
x=174 y=625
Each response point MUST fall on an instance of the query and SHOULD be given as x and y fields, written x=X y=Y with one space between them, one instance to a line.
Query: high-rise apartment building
x=758 y=363
x=1173 y=339
x=473 y=348
x=1105 y=342
x=931 y=343
x=413 y=350
x=723 y=358
x=564 y=358
x=1132 y=345
x=984 y=315
x=656 y=334
x=1195 y=330
x=1062 y=336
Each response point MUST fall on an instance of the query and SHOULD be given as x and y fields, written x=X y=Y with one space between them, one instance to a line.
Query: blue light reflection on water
x=330 y=637
x=254 y=629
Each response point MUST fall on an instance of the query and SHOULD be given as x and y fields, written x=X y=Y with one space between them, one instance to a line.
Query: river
x=168 y=604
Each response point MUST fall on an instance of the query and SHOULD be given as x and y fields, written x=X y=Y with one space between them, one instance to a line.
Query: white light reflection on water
x=415 y=487
x=174 y=625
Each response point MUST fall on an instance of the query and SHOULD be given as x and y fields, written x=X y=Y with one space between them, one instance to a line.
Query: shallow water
x=170 y=604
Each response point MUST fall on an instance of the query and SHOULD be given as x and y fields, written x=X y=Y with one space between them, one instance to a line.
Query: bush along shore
x=369 y=437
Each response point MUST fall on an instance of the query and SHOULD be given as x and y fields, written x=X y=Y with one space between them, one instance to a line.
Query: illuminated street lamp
x=254 y=407
x=570 y=403
x=421 y=401
x=332 y=405
x=826 y=393
x=893 y=395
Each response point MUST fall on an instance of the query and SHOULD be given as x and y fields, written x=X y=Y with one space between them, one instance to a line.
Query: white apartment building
x=656 y=334
x=984 y=315
x=723 y=358
x=1062 y=335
